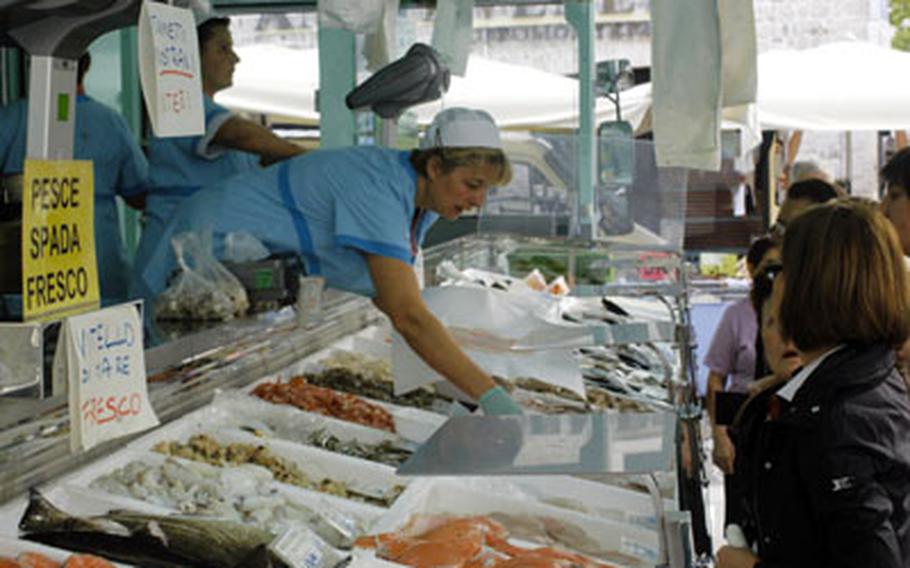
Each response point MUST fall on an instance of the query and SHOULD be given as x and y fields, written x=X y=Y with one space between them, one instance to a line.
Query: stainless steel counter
x=184 y=375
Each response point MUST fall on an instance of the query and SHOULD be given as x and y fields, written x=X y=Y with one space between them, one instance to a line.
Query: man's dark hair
x=84 y=63
x=814 y=190
x=205 y=30
x=897 y=170
x=757 y=250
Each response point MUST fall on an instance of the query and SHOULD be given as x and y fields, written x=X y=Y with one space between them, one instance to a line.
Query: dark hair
x=762 y=286
x=758 y=249
x=82 y=67
x=845 y=280
x=206 y=29
x=814 y=190
x=897 y=170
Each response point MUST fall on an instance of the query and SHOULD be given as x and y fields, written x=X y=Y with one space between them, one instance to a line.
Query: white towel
x=703 y=59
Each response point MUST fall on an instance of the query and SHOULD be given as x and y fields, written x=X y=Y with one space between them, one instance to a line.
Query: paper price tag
x=59 y=271
x=169 y=70
x=105 y=366
x=299 y=547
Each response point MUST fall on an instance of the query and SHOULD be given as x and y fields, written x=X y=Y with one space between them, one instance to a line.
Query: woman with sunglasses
x=829 y=482
x=732 y=356
x=776 y=361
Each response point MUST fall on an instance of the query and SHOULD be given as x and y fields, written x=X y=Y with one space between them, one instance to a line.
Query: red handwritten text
x=100 y=410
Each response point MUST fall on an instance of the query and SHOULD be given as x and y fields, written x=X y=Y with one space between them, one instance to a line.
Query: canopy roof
x=282 y=81
x=838 y=86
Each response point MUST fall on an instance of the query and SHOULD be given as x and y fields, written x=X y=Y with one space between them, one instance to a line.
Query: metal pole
x=848 y=170
x=337 y=73
x=580 y=14
x=132 y=111
x=51 y=108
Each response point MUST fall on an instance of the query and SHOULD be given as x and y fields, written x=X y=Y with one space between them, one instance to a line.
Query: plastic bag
x=241 y=246
x=204 y=289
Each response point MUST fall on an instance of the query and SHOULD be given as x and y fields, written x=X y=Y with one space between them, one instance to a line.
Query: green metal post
x=12 y=64
x=580 y=14
x=131 y=101
x=337 y=74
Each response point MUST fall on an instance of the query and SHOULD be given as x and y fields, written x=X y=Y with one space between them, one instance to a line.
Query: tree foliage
x=899 y=16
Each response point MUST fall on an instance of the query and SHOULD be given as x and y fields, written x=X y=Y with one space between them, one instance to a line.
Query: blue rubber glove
x=497 y=402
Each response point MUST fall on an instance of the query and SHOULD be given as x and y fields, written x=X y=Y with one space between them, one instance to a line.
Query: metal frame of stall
x=36 y=451
x=677 y=527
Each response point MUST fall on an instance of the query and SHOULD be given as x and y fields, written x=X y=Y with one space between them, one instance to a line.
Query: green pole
x=337 y=74
x=131 y=101
x=580 y=14
x=12 y=63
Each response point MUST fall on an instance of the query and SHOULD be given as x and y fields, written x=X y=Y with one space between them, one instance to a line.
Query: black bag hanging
x=417 y=77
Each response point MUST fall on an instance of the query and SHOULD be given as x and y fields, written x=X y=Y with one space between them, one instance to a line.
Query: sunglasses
x=771 y=270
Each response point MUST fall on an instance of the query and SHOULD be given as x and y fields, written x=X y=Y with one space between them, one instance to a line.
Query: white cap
x=202 y=11
x=462 y=128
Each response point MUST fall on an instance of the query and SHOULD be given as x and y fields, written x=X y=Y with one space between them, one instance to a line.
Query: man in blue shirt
x=230 y=145
x=357 y=216
x=101 y=135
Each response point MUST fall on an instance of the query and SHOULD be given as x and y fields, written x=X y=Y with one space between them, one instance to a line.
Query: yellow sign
x=59 y=270
x=718 y=264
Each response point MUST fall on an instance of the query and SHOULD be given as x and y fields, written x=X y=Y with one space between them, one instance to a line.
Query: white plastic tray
x=235 y=409
x=639 y=546
x=76 y=486
x=580 y=495
x=410 y=423
x=369 y=477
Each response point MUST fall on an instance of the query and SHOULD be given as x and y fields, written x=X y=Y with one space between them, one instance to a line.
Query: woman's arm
x=242 y=134
x=398 y=296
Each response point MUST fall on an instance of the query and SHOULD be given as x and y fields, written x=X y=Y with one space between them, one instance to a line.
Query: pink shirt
x=732 y=351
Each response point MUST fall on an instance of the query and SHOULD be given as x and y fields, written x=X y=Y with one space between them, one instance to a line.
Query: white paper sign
x=169 y=70
x=105 y=363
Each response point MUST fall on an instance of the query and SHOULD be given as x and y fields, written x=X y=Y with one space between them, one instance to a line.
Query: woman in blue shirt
x=357 y=216
x=230 y=145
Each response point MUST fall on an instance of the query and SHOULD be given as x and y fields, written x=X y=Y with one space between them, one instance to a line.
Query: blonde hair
x=451 y=158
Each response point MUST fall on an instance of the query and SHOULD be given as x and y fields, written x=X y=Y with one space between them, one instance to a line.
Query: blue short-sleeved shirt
x=181 y=166
x=120 y=168
x=331 y=206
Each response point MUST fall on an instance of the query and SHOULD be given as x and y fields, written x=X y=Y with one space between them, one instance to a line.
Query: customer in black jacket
x=830 y=477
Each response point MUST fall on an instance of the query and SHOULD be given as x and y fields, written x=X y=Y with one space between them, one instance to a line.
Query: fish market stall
x=278 y=466
x=314 y=441
x=284 y=436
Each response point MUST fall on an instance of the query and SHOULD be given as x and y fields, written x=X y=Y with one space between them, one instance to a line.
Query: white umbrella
x=281 y=82
x=837 y=86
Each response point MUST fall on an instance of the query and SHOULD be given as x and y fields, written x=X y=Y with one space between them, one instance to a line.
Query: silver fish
x=150 y=540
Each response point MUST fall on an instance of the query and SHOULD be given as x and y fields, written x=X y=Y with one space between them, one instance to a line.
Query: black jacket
x=827 y=483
